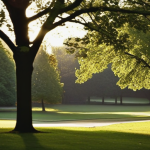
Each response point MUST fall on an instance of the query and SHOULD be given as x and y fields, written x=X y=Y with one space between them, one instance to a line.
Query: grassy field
x=83 y=112
x=131 y=136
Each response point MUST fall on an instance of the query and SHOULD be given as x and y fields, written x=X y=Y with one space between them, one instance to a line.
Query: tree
x=130 y=62
x=100 y=85
x=7 y=78
x=46 y=86
x=66 y=65
x=25 y=51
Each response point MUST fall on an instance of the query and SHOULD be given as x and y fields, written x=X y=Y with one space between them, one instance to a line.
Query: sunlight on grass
x=131 y=136
x=138 y=127
x=47 y=109
x=135 y=127
x=7 y=123
x=142 y=114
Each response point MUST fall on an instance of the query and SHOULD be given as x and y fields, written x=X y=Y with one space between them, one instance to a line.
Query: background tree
x=101 y=85
x=46 y=86
x=53 y=14
x=7 y=78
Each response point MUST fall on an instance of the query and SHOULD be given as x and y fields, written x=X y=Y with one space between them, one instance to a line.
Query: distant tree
x=7 y=78
x=66 y=65
x=100 y=85
x=46 y=86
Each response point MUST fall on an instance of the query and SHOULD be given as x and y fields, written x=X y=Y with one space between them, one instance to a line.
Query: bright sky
x=55 y=37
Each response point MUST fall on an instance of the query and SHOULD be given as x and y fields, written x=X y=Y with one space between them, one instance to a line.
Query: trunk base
x=24 y=130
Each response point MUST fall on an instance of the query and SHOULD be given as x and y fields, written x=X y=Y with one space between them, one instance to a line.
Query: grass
x=131 y=136
x=84 y=112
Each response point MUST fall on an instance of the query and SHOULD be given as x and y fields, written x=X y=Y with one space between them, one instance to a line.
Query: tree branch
x=47 y=10
x=6 y=39
x=40 y=14
x=44 y=12
x=139 y=59
x=101 y=9
x=71 y=6
x=37 y=42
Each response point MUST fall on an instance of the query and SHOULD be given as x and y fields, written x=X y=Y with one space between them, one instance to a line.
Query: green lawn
x=129 y=136
x=82 y=112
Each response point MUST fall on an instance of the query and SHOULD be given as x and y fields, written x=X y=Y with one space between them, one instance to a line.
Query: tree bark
x=24 y=71
x=43 y=106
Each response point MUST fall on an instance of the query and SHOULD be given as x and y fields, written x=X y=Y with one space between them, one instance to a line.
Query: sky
x=55 y=37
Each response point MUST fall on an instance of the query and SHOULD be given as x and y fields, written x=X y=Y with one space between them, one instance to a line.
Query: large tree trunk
x=24 y=71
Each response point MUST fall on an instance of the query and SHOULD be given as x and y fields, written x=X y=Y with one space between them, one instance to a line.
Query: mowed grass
x=83 y=112
x=131 y=136
x=127 y=136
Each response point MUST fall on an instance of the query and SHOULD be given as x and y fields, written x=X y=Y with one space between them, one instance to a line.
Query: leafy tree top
x=56 y=12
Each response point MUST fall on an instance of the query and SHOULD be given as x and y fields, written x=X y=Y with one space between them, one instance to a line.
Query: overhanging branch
x=40 y=14
x=71 y=6
x=6 y=39
x=47 y=10
x=139 y=59
x=101 y=9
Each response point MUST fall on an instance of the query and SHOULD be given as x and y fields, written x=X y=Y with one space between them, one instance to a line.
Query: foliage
x=66 y=66
x=130 y=62
x=100 y=85
x=7 y=78
x=46 y=80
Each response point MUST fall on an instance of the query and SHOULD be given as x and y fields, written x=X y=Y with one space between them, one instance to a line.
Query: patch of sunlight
x=7 y=123
x=135 y=127
x=47 y=109
x=124 y=113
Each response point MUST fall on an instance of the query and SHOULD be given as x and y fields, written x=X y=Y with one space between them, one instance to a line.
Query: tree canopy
x=128 y=52
x=101 y=85
x=130 y=64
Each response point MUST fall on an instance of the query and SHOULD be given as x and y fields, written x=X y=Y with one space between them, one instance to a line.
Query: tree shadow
x=32 y=143
x=75 y=139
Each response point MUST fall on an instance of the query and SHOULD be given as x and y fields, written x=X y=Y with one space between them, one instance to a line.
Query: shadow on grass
x=75 y=139
x=20 y=141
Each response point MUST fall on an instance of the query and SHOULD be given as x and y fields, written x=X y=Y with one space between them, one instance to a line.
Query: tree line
x=101 y=85
x=46 y=86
